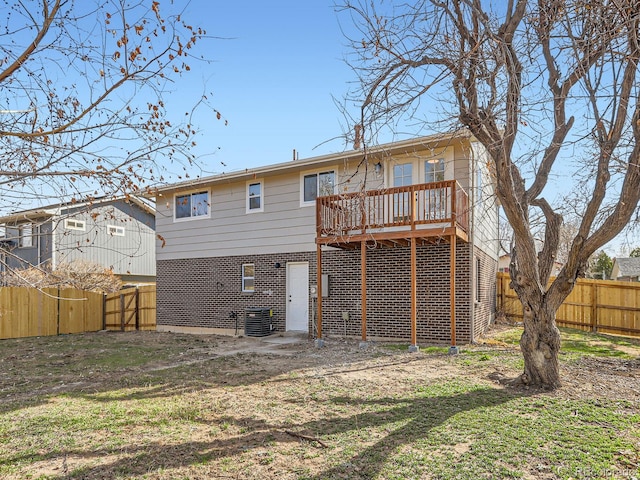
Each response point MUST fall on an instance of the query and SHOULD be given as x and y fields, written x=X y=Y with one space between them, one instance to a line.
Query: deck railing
x=424 y=205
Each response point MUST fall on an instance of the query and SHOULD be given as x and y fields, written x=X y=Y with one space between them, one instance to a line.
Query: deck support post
x=452 y=289
x=319 y=339
x=363 y=283
x=414 y=300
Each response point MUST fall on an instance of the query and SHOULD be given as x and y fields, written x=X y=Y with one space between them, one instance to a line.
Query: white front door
x=298 y=296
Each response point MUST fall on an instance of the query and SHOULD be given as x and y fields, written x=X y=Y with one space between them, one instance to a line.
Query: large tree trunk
x=540 y=344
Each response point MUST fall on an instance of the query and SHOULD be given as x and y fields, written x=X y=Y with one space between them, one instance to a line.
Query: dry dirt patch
x=248 y=407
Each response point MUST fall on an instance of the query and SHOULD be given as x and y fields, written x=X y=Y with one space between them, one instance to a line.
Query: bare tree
x=80 y=274
x=545 y=86
x=85 y=100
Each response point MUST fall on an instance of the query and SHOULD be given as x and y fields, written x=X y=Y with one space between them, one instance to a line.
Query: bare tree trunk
x=540 y=344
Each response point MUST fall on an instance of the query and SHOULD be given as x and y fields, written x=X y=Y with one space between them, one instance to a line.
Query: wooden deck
x=391 y=217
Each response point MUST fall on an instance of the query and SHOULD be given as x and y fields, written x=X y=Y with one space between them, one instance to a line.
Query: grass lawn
x=148 y=405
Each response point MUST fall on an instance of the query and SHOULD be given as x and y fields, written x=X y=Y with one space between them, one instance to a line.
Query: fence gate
x=131 y=309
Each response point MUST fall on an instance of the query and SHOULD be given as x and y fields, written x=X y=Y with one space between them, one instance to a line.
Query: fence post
x=137 y=309
x=104 y=311
x=122 y=312
x=58 y=313
x=594 y=306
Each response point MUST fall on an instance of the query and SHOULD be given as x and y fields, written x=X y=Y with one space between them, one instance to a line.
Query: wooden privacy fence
x=28 y=312
x=131 y=309
x=603 y=306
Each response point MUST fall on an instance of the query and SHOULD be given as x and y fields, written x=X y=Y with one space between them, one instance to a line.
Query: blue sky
x=275 y=70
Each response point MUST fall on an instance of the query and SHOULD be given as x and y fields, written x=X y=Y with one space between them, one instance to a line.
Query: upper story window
x=434 y=170
x=73 y=224
x=255 y=202
x=402 y=174
x=25 y=233
x=192 y=205
x=115 y=230
x=316 y=185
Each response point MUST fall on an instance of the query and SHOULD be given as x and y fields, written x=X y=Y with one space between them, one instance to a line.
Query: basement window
x=248 y=277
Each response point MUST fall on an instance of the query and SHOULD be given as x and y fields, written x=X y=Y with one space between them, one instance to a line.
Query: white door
x=298 y=296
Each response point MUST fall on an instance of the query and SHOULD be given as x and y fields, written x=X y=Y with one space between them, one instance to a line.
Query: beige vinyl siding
x=485 y=209
x=283 y=226
x=462 y=166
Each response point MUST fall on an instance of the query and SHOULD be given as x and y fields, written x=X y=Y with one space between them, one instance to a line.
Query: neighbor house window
x=316 y=185
x=25 y=236
x=115 y=230
x=434 y=170
x=254 y=196
x=192 y=205
x=73 y=224
x=248 y=277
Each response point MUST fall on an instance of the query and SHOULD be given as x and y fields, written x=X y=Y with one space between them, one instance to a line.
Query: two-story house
x=116 y=233
x=400 y=242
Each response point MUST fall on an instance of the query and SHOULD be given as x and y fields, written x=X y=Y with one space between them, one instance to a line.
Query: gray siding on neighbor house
x=131 y=254
x=37 y=254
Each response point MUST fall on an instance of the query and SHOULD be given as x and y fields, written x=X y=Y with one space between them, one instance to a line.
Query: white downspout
x=54 y=228
x=472 y=234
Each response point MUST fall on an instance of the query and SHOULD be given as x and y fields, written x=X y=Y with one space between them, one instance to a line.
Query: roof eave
x=393 y=147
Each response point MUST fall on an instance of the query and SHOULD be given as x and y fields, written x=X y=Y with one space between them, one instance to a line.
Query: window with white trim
x=191 y=205
x=25 y=233
x=115 y=230
x=318 y=184
x=402 y=174
x=434 y=170
x=74 y=224
x=255 y=196
x=248 y=277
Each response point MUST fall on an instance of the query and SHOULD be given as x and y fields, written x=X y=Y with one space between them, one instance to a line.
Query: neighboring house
x=626 y=269
x=504 y=263
x=380 y=235
x=118 y=234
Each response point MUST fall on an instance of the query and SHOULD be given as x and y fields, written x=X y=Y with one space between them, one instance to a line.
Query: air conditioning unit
x=258 y=321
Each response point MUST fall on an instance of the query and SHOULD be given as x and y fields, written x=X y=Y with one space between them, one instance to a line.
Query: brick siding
x=205 y=292
x=485 y=308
